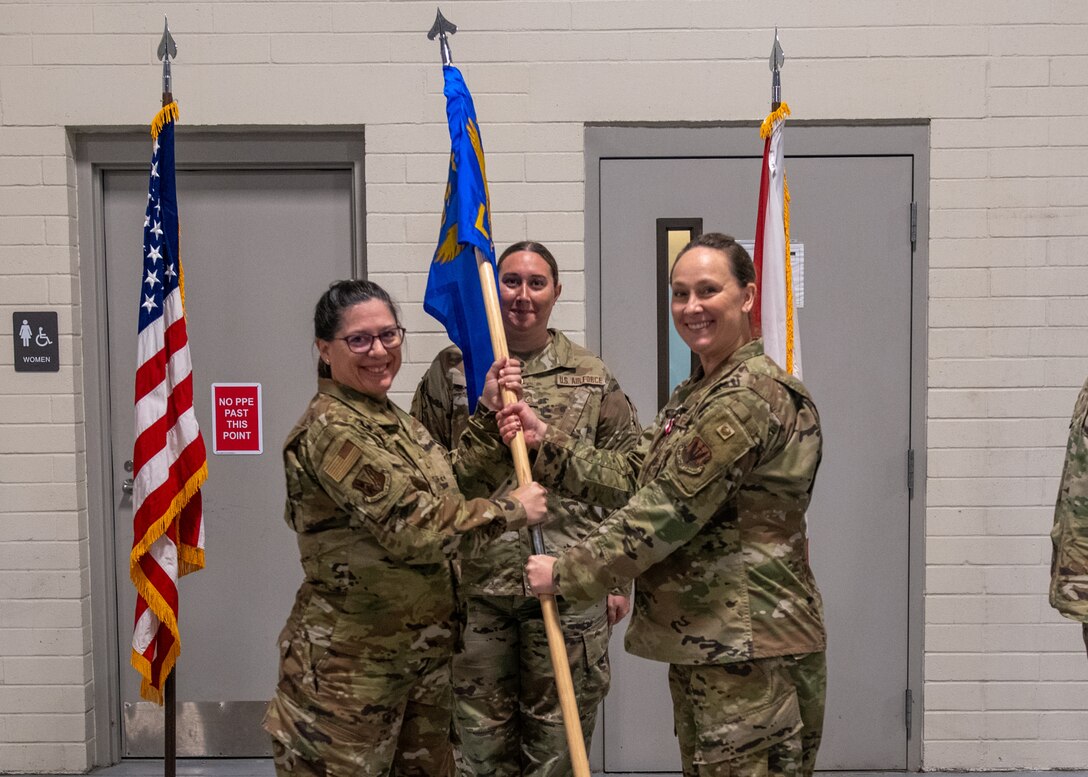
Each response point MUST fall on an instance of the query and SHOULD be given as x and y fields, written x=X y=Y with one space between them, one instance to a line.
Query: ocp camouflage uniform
x=711 y=526
x=507 y=708
x=1069 y=562
x=365 y=682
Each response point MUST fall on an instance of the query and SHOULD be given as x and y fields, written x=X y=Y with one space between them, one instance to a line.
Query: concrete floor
x=262 y=767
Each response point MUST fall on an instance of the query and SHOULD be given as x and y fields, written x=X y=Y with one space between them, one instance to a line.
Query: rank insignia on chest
x=371 y=482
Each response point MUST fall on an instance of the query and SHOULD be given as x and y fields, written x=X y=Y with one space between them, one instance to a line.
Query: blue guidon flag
x=454 y=295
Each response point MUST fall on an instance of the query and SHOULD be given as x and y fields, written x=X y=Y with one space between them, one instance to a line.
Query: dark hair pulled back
x=740 y=263
x=341 y=295
x=539 y=249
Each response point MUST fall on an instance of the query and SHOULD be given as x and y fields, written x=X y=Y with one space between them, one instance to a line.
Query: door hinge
x=910 y=473
x=908 y=709
x=913 y=225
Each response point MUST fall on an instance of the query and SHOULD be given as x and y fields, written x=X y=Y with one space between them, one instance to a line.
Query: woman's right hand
x=520 y=417
x=504 y=374
x=533 y=498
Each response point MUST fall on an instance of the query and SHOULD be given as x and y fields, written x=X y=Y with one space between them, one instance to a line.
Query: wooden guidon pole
x=556 y=646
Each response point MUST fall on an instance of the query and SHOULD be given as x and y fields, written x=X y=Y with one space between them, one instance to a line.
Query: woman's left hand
x=539 y=572
x=504 y=374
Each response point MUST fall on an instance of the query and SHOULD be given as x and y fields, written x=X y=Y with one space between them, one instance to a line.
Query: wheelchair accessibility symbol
x=42 y=339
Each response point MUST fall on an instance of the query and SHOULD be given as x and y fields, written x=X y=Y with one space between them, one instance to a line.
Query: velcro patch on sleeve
x=371 y=482
x=709 y=457
x=694 y=456
x=340 y=465
x=580 y=380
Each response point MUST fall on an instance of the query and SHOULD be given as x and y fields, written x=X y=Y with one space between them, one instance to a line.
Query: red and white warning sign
x=236 y=418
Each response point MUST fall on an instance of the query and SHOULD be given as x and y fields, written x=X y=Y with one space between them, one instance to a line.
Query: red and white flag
x=775 y=312
x=169 y=461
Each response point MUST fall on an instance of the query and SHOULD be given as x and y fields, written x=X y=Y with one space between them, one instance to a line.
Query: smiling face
x=527 y=294
x=370 y=373
x=709 y=306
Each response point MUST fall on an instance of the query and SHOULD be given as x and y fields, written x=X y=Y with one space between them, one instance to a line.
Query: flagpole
x=778 y=58
x=168 y=49
x=568 y=705
x=557 y=648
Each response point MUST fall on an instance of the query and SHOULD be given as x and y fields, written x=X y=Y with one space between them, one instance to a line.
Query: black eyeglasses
x=361 y=342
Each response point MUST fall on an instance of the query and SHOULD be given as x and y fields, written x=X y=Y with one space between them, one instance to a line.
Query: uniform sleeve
x=1069 y=561
x=482 y=462
x=382 y=494
x=617 y=427
x=432 y=404
x=703 y=470
x=580 y=470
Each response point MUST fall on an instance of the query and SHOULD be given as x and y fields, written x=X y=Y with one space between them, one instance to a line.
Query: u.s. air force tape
x=580 y=380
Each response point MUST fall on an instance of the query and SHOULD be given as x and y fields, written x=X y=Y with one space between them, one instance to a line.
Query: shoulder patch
x=340 y=465
x=371 y=482
x=580 y=380
x=694 y=456
x=725 y=431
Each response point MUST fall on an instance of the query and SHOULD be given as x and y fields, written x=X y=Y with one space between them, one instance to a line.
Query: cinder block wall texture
x=1003 y=82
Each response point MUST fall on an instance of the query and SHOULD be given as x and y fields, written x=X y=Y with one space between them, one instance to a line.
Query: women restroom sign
x=236 y=418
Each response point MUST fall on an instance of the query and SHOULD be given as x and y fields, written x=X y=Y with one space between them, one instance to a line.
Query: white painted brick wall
x=1004 y=83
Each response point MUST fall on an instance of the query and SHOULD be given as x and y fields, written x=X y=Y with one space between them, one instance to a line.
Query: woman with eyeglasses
x=365 y=681
x=709 y=522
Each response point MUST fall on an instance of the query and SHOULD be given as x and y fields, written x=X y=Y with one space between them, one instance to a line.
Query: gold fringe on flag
x=765 y=130
x=789 y=275
x=167 y=114
x=158 y=528
x=773 y=118
x=181 y=280
x=143 y=666
x=144 y=587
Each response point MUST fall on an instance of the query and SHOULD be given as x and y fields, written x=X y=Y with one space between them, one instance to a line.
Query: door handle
x=126 y=485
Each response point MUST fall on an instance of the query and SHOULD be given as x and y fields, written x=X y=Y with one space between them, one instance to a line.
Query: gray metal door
x=852 y=214
x=258 y=248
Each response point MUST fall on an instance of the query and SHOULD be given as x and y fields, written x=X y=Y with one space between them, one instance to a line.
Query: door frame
x=100 y=150
x=805 y=138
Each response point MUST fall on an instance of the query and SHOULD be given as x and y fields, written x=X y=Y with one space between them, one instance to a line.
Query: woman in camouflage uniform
x=711 y=526
x=507 y=707
x=365 y=684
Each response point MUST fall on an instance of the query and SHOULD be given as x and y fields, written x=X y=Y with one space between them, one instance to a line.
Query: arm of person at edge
x=1069 y=554
x=383 y=494
x=667 y=512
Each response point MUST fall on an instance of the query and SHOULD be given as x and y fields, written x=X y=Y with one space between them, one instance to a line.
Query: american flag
x=169 y=459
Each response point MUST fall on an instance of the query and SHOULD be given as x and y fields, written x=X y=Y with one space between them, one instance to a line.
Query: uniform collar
x=749 y=350
x=559 y=352
x=381 y=411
